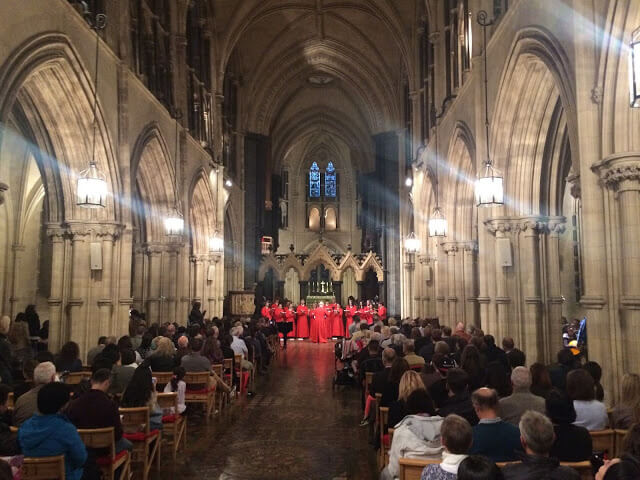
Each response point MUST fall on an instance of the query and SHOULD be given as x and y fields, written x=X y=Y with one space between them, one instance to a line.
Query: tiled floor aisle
x=296 y=427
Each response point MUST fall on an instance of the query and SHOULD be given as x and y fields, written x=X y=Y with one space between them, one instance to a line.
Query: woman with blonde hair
x=409 y=383
x=163 y=358
x=623 y=414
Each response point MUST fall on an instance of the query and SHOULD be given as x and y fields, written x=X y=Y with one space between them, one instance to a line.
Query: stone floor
x=295 y=427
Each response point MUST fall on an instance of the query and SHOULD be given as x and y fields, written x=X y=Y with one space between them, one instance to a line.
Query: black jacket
x=460 y=405
x=572 y=444
x=534 y=467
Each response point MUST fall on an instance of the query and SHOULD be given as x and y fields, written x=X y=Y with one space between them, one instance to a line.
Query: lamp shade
x=489 y=188
x=174 y=224
x=92 y=188
x=437 y=224
x=412 y=244
x=216 y=244
x=634 y=69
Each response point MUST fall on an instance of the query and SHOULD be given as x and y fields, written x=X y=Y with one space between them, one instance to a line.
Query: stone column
x=440 y=273
x=80 y=281
x=139 y=277
x=154 y=272
x=280 y=290
x=171 y=293
x=360 y=289
x=501 y=228
x=57 y=332
x=410 y=267
x=105 y=303
x=198 y=288
x=3 y=188
x=18 y=252
x=534 y=335
x=470 y=282
x=452 y=298
x=337 y=291
x=304 y=289
x=621 y=173
x=555 y=300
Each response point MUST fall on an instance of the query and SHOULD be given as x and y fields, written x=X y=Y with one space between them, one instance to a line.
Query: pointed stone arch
x=202 y=208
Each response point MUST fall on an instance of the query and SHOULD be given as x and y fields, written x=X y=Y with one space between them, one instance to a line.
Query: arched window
x=314 y=220
x=314 y=181
x=330 y=188
x=330 y=219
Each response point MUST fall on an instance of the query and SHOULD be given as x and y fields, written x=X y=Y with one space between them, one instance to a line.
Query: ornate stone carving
x=450 y=247
x=597 y=94
x=618 y=168
x=3 y=188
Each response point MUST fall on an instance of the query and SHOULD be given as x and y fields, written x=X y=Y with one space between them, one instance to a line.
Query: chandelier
x=91 y=188
x=412 y=244
x=489 y=185
x=437 y=221
x=216 y=243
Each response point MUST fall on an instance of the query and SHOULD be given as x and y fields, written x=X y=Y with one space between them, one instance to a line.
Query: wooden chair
x=368 y=378
x=583 y=468
x=162 y=378
x=411 y=468
x=103 y=438
x=43 y=468
x=146 y=442
x=604 y=441
x=174 y=426
x=383 y=457
x=227 y=363
x=620 y=434
x=222 y=397
x=199 y=391
x=240 y=373
x=74 y=378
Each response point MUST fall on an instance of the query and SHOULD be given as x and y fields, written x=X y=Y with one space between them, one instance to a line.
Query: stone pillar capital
x=470 y=247
x=3 y=188
x=620 y=171
x=450 y=247
x=498 y=225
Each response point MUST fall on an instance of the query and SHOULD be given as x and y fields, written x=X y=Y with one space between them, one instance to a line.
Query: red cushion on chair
x=140 y=436
x=385 y=440
x=107 y=460
x=169 y=418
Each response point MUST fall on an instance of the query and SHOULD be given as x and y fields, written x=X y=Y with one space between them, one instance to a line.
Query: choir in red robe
x=289 y=317
x=350 y=311
x=382 y=312
x=266 y=311
x=318 y=324
x=337 y=325
x=302 y=321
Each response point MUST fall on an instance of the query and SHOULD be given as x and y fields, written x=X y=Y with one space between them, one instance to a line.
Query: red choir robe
x=318 y=318
x=382 y=312
x=278 y=316
x=367 y=316
x=302 y=322
x=289 y=316
x=266 y=312
x=349 y=311
x=337 y=325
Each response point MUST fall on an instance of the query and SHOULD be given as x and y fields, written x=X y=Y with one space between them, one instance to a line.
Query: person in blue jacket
x=49 y=433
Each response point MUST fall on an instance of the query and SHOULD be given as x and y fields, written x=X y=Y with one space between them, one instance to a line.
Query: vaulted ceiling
x=332 y=65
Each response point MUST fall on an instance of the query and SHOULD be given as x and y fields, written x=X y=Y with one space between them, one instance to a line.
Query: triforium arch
x=46 y=109
x=533 y=128
x=154 y=253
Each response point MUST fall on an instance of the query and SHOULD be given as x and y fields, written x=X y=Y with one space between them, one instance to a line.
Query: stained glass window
x=314 y=181
x=330 y=189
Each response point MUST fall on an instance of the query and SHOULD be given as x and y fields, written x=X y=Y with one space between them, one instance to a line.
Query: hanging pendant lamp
x=412 y=244
x=437 y=220
x=174 y=223
x=489 y=185
x=91 y=188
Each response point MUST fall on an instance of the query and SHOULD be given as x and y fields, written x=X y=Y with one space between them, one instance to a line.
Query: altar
x=311 y=299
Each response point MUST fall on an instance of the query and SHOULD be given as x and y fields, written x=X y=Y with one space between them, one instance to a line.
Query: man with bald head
x=493 y=437
x=521 y=400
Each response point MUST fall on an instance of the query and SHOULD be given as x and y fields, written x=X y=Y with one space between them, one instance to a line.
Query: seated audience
x=183 y=348
x=460 y=332
x=391 y=387
x=590 y=413
x=144 y=350
x=595 y=370
x=536 y=436
x=459 y=401
x=433 y=377
x=162 y=360
x=476 y=467
x=456 y=436
x=409 y=383
x=68 y=359
x=572 y=443
x=93 y=352
x=50 y=433
x=629 y=406
x=27 y=404
x=414 y=361
x=94 y=409
x=141 y=392
x=8 y=440
x=195 y=362
x=122 y=372
x=498 y=379
x=416 y=436
x=521 y=400
x=540 y=380
x=515 y=357
x=27 y=384
x=5 y=351
x=381 y=379
x=471 y=362
x=624 y=468
x=239 y=347
x=493 y=437
x=211 y=349
x=178 y=385
x=558 y=372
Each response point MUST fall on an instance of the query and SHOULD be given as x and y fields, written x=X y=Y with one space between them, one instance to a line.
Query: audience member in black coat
x=559 y=372
x=572 y=443
x=8 y=441
x=459 y=401
x=388 y=380
x=495 y=353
